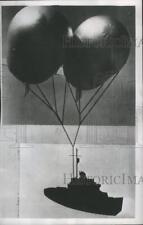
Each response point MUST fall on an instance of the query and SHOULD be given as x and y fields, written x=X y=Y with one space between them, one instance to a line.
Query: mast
x=77 y=161
x=73 y=161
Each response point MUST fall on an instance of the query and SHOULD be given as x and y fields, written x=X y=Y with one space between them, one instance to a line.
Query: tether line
x=50 y=107
x=97 y=100
x=76 y=135
x=54 y=92
x=73 y=97
x=64 y=102
x=91 y=98
x=45 y=102
x=43 y=94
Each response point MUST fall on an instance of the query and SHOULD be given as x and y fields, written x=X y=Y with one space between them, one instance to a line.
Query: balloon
x=35 y=43
x=99 y=49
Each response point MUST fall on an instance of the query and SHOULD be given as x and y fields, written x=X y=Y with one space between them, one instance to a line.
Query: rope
x=91 y=98
x=97 y=100
x=73 y=97
x=50 y=107
x=64 y=102
x=54 y=91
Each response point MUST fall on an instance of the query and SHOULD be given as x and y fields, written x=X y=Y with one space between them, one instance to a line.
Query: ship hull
x=85 y=200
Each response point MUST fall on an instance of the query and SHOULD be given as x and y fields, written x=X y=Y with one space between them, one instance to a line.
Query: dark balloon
x=35 y=43
x=99 y=49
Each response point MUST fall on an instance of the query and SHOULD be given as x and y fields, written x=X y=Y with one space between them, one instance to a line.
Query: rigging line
x=91 y=98
x=99 y=98
x=54 y=113
x=63 y=113
x=46 y=98
x=73 y=97
x=36 y=95
x=76 y=135
x=79 y=124
x=79 y=105
x=54 y=91
x=43 y=94
x=66 y=132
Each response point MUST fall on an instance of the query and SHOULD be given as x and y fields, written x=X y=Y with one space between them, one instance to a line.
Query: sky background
x=117 y=106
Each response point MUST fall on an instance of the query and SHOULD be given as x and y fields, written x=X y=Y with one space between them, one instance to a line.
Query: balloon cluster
x=40 y=40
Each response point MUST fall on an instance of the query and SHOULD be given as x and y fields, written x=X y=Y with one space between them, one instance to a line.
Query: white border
x=74 y=2
x=1 y=61
x=139 y=119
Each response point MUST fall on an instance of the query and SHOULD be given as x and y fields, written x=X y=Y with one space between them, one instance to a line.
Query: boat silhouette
x=84 y=194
